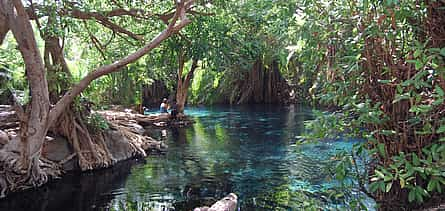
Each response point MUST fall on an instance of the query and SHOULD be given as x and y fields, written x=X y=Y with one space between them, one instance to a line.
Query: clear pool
x=248 y=150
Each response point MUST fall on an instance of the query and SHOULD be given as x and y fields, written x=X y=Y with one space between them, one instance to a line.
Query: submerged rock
x=228 y=203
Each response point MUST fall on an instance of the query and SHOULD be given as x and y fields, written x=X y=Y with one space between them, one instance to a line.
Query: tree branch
x=189 y=75
x=4 y=28
x=172 y=28
x=181 y=61
x=193 y=12
x=103 y=17
x=103 y=20
x=95 y=42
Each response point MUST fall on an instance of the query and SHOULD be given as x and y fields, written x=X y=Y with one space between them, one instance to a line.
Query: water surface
x=247 y=150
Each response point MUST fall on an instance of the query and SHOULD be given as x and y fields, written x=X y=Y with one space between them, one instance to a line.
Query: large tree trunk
x=24 y=170
x=184 y=82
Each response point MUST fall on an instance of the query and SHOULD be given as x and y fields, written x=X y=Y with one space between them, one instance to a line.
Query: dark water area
x=249 y=150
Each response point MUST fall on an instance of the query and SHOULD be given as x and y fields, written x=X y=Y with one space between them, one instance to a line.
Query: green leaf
x=438 y=102
x=404 y=96
x=419 y=197
x=379 y=174
x=381 y=148
x=373 y=187
x=416 y=160
x=434 y=50
x=402 y=182
x=442 y=52
x=441 y=129
x=420 y=109
x=388 y=177
x=411 y=195
x=417 y=53
x=384 y=81
x=439 y=90
x=388 y=187
x=431 y=185
x=366 y=5
x=418 y=65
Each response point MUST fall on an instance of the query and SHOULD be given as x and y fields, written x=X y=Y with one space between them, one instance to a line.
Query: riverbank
x=124 y=138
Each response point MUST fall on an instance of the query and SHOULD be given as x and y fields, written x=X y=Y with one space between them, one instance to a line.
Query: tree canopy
x=379 y=65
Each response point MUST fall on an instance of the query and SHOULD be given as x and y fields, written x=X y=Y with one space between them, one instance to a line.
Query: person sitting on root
x=174 y=111
x=164 y=106
x=145 y=110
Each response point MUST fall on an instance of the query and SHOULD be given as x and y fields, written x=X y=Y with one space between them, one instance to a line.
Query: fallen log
x=228 y=203
x=155 y=120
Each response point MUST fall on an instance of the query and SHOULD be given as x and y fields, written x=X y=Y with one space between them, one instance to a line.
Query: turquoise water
x=250 y=151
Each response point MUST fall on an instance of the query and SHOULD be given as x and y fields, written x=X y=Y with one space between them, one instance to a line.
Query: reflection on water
x=250 y=151
x=75 y=192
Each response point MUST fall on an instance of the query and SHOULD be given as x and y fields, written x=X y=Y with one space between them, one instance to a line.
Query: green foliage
x=370 y=61
x=239 y=34
x=95 y=122
x=326 y=126
x=205 y=80
x=406 y=169
x=11 y=66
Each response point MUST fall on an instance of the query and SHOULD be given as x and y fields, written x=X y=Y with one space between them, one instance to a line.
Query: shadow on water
x=74 y=192
x=248 y=150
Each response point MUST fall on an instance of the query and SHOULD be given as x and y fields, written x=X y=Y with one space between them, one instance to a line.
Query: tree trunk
x=4 y=28
x=264 y=85
x=58 y=71
x=184 y=83
x=26 y=171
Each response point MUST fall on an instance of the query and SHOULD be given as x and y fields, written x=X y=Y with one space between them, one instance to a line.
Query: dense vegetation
x=378 y=66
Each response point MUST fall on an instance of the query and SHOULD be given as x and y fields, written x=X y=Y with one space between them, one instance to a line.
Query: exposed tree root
x=13 y=177
x=90 y=148
x=137 y=142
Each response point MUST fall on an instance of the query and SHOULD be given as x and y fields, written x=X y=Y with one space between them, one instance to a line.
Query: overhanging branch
x=104 y=17
x=172 y=28
x=103 y=20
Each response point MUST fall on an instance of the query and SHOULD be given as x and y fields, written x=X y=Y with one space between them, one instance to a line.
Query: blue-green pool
x=248 y=150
